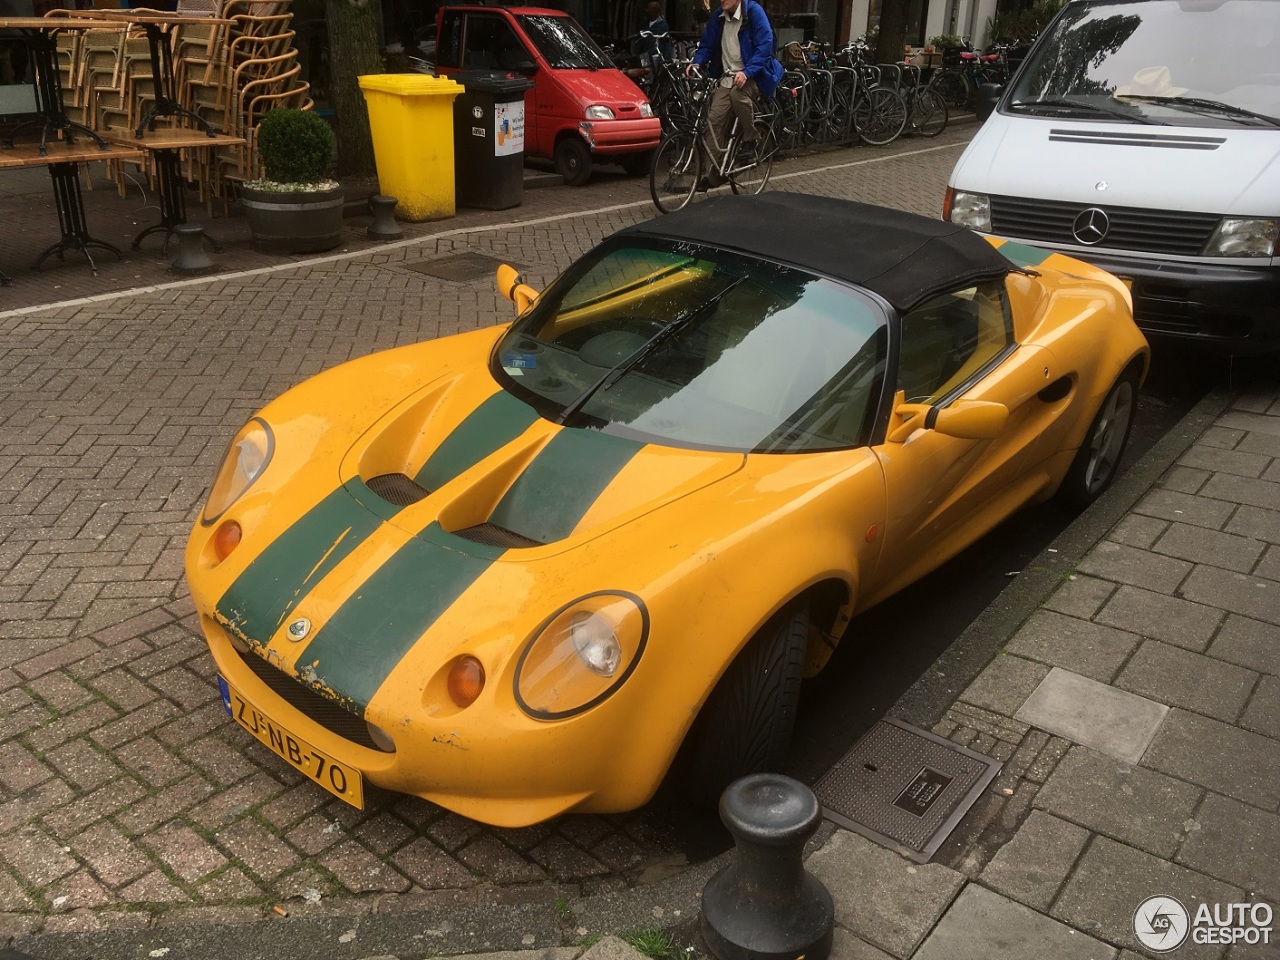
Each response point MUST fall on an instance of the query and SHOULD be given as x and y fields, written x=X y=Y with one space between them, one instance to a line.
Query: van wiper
x=643 y=352
x=1200 y=105
x=1096 y=108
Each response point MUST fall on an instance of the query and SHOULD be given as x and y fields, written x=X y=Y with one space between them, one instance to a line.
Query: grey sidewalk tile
x=1237 y=843
x=1219 y=756
x=1213 y=547
x=1032 y=866
x=1258 y=442
x=1250 y=643
x=1114 y=561
x=1184 y=479
x=1217 y=460
x=1128 y=803
x=1112 y=880
x=982 y=925
x=1269 y=566
x=1091 y=649
x=1189 y=680
x=1250 y=422
x=1135 y=530
x=881 y=897
x=1263 y=713
x=1185 y=508
x=845 y=946
x=1221 y=438
x=1238 y=592
x=1177 y=621
x=1257 y=493
x=1117 y=723
x=1081 y=596
x=1006 y=682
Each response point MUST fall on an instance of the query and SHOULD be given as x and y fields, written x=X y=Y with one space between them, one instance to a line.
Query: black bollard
x=192 y=257
x=765 y=905
x=384 y=226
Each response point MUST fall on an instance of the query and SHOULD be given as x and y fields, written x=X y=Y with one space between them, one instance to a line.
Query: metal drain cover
x=459 y=267
x=905 y=787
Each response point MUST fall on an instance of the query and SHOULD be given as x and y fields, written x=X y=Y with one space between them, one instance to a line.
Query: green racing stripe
x=1023 y=256
x=490 y=426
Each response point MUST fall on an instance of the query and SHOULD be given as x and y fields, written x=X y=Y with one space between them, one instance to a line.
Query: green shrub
x=946 y=41
x=295 y=146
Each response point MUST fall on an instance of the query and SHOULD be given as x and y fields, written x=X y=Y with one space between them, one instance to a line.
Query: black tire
x=1097 y=462
x=929 y=112
x=677 y=167
x=887 y=117
x=573 y=160
x=752 y=179
x=745 y=725
x=951 y=86
x=638 y=164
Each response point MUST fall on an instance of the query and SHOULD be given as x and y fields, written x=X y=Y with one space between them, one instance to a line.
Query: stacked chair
x=228 y=74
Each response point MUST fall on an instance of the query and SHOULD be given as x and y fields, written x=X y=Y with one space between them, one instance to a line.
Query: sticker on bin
x=508 y=120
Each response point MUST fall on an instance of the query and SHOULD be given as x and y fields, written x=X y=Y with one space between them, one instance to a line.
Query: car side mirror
x=527 y=67
x=512 y=286
x=984 y=104
x=971 y=419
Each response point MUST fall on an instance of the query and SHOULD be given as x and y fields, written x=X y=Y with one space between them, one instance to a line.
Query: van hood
x=1224 y=170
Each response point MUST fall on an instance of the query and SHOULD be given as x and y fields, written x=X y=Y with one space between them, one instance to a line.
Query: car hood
x=612 y=88
x=462 y=489
x=1155 y=167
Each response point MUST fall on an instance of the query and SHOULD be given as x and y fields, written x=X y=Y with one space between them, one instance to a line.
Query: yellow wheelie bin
x=411 y=119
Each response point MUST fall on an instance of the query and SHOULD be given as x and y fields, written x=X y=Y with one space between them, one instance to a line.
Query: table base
x=75 y=231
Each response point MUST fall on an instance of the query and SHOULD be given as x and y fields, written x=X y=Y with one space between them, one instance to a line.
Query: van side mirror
x=512 y=286
x=984 y=104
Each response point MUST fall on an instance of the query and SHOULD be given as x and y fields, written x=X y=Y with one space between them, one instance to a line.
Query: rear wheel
x=951 y=86
x=928 y=112
x=753 y=178
x=677 y=166
x=745 y=726
x=885 y=116
x=573 y=160
x=1098 y=459
x=637 y=164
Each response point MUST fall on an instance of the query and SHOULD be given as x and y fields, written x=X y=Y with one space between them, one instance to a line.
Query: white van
x=1144 y=136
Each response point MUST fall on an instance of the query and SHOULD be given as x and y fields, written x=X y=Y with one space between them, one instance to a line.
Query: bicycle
x=963 y=71
x=927 y=113
x=684 y=164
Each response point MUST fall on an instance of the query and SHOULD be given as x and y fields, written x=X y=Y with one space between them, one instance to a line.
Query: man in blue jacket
x=738 y=47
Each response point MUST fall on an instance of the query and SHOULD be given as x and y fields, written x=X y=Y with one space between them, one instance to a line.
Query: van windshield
x=563 y=43
x=1205 y=63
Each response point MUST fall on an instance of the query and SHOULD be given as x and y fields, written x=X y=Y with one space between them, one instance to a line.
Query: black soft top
x=903 y=257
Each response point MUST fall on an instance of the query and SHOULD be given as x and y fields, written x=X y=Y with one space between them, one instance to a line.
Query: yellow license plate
x=339 y=779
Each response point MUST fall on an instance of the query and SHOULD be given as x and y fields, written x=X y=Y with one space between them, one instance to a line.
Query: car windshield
x=1206 y=63
x=697 y=347
x=563 y=43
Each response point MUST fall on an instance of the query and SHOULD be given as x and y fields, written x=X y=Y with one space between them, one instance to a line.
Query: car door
x=943 y=491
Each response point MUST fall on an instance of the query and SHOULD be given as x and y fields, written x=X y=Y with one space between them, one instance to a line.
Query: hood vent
x=492 y=535
x=1129 y=139
x=397 y=489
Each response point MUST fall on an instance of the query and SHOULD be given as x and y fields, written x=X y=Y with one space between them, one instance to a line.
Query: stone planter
x=304 y=222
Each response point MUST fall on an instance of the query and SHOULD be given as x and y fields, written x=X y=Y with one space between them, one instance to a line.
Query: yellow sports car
x=518 y=571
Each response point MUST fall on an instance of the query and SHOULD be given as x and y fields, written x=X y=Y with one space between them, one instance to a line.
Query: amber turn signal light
x=226 y=539
x=466 y=680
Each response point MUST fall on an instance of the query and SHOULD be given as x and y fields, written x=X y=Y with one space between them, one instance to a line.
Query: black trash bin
x=488 y=139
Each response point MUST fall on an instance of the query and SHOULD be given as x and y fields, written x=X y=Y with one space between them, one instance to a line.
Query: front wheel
x=1098 y=460
x=573 y=160
x=677 y=167
x=745 y=725
x=928 y=112
x=885 y=117
x=637 y=164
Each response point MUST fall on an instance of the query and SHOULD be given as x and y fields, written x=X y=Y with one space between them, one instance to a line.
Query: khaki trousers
x=727 y=102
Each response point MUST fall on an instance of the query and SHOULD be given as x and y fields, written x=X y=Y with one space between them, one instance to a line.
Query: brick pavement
x=128 y=795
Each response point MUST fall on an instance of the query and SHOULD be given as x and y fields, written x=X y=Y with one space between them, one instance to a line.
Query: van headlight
x=971 y=210
x=1243 y=237
x=581 y=655
x=599 y=113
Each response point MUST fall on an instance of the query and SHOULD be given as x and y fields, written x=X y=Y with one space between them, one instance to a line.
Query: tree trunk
x=353 y=51
x=893 y=29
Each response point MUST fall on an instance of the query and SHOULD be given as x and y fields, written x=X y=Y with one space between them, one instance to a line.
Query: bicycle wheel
x=752 y=179
x=677 y=166
x=888 y=115
x=928 y=112
x=951 y=86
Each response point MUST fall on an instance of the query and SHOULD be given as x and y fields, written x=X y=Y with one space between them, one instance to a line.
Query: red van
x=580 y=106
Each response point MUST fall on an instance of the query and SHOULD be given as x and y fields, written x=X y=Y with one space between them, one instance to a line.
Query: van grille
x=1131 y=228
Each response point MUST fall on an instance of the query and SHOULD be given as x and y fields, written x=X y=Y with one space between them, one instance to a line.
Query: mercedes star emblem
x=1091 y=226
x=299 y=629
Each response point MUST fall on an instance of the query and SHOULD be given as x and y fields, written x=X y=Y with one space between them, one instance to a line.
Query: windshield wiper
x=643 y=352
x=1209 y=106
x=1129 y=115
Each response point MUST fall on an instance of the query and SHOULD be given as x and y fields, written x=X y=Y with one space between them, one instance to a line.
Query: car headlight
x=646 y=109
x=244 y=463
x=969 y=209
x=581 y=654
x=1243 y=237
x=599 y=113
